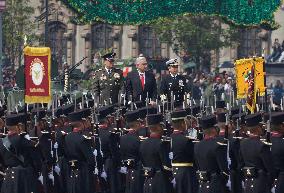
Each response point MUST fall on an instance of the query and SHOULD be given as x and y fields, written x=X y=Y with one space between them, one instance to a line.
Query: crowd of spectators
x=277 y=52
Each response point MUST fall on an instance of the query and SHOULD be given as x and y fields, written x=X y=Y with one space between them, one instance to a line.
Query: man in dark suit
x=141 y=83
x=108 y=81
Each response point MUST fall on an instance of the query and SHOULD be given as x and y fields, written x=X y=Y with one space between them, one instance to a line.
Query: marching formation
x=138 y=142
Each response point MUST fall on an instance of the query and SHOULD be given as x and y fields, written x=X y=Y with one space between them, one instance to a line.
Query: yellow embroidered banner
x=37 y=75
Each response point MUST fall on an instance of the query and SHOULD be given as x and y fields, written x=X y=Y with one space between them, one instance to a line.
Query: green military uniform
x=108 y=82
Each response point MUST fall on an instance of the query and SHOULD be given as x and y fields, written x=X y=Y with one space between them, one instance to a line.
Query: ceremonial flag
x=251 y=95
x=37 y=75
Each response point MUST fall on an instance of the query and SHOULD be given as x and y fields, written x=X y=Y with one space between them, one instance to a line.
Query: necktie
x=142 y=80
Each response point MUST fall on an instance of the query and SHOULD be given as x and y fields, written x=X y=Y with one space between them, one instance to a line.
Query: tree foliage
x=192 y=37
x=17 y=24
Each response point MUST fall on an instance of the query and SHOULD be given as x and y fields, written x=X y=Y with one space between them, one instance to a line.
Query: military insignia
x=116 y=75
x=180 y=82
x=37 y=71
x=103 y=77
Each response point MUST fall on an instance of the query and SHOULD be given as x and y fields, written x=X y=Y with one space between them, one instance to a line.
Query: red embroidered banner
x=37 y=75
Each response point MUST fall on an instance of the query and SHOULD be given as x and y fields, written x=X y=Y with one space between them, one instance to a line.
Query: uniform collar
x=173 y=76
x=253 y=136
x=77 y=130
x=103 y=126
x=155 y=135
x=140 y=73
x=178 y=132
x=276 y=134
x=12 y=133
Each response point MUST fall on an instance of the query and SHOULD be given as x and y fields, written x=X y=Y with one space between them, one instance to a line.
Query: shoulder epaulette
x=63 y=133
x=237 y=137
x=196 y=141
x=142 y=138
x=223 y=144
x=86 y=137
x=266 y=143
x=167 y=168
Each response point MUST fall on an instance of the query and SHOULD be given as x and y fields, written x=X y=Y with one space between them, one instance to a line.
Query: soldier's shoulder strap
x=221 y=143
x=86 y=137
x=265 y=142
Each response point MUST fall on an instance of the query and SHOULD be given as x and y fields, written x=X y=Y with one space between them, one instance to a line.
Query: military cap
x=40 y=113
x=239 y=116
x=220 y=104
x=103 y=112
x=195 y=109
x=253 y=119
x=76 y=116
x=109 y=56
x=140 y=104
x=178 y=114
x=132 y=116
x=277 y=118
x=221 y=117
x=15 y=119
x=208 y=122
x=147 y=111
x=154 y=119
x=172 y=62
x=235 y=110
x=68 y=109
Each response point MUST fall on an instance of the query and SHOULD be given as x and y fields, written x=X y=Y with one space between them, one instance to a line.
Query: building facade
x=70 y=42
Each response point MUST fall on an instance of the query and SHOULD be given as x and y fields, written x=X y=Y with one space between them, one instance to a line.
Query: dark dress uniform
x=211 y=160
x=108 y=84
x=156 y=163
x=135 y=89
x=183 y=159
x=21 y=160
x=130 y=156
x=277 y=150
x=256 y=160
x=80 y=159
x=175 y=84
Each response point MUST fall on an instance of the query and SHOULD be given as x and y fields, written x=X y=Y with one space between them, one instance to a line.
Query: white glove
x=243 y=184
x=174 y=182
x=96 y=171
x=171 y=155
x=55 y=146
x=102 y=153
x=122 y=95
x=27 y=137
x=229 y=184
x=273 y=189
x=40 y=178
x=57 y=169
x=129 y=102
x=123 y=170
x=163 y=97
x=95 y=153
x=104 y=175
x=51 y=177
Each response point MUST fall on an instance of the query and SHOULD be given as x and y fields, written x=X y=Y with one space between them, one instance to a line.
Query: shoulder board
x=237 y=137
x=142 y=138
x=223 y=144
x=266 y=143
x=167 y=168
x=86 y=137
x=196 y=141
x=44 y=132
x=63 y=133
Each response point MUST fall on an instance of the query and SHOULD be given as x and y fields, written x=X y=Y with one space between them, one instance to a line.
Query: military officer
x=183 y=152
x=130 y=156
x=79 y=156
x=20 y=158
x=174 y=83
x=256 y=158
x=211 y=159
x=108 y=81
x=277 y=149
x=155 y=159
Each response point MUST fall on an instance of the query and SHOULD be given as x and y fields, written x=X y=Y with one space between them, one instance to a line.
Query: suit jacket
x=134 y=86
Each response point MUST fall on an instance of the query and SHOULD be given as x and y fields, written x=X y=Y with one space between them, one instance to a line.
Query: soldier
x=277 y=150
x=155 y=159
x=108 y=81
x=256 y=158
x=211 y=159
x=79 y=156
x=130 y=156
x=19 y=157
x=141 y=83
x=183 y=152
x=174 y=83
